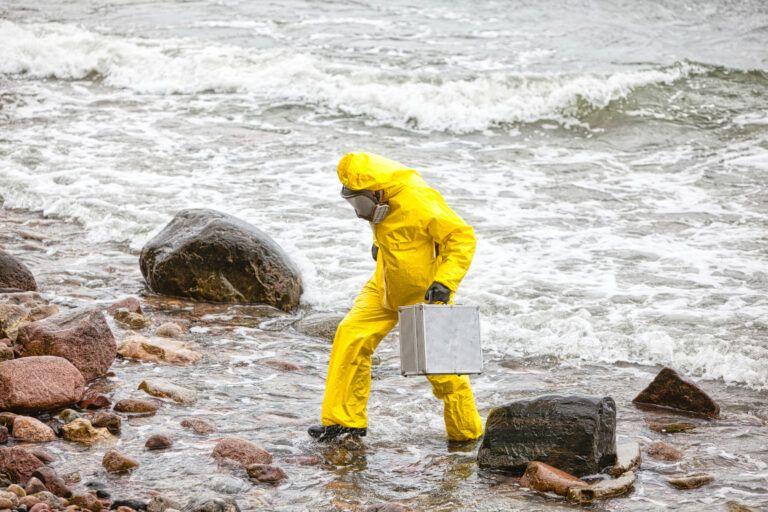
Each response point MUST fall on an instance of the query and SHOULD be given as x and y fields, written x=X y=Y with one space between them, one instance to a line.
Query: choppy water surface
x=612 y=157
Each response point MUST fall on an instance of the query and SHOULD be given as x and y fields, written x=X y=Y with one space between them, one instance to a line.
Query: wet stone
x=664 y=451
x=158 y=350
x=68 y=415
x=130 y=320
x=52 y=481
x=130 y=503
x=690 y=481
x=94 y=400
x=35 y=486
x=131 y=405
x=164 y=389
x=4 y=435
x=198 y=425
x=111 y=422
x=131 y=304
x=304 y=460
x=576 y=434
x=32 y=430
x=42 y=454
x=81 y=431
x=241 y=451
x=161 y=504
x=388 y=507
x=672 y=391
x=169 y=330
x=283 y=366
x=604 y=489
x=87 y=501
x=266 y=473
x=158 y=442
x=671 y=428
x=38 y=383
x=116 y=462
x=212 y=504
x=544 y=478
x=627 y=457
x=227 y=484
x=49 y=498
x=18 y=464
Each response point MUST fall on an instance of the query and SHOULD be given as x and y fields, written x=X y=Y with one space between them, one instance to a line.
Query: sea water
x=612 y=157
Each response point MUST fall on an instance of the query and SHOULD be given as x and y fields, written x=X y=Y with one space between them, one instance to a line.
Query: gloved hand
x=374 y=252
x=437 y=293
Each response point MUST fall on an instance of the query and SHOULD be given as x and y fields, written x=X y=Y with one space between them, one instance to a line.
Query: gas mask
x=367 y=204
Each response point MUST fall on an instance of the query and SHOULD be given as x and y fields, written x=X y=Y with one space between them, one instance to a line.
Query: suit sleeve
x=457 y=243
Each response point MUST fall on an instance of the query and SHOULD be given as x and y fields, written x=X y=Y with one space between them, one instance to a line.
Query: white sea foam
x=421 y=100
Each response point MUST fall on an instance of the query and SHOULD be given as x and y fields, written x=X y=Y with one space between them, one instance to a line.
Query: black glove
x=374 y=251
x=438 y=293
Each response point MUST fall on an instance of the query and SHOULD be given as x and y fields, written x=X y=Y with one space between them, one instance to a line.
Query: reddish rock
x=82 y=337
x=131 y=405
x=305 y=460
x=29 y=501
x=663 y=451
x=158 y=442
x=52 y=481
x=198 y=425
x=41 y=453
x=4 y=435
x=283 y=366
x=7 y=503
x=18 y=464
x=39 y=383
x=87 y=501
x=14 y=274
x=266 y=473
x=35 y=486
x=241 y=451
x=116 y=462
x=670 y=390
x=125 y=509
x=40 y=507
x=544 y=478
x=94 y=400
x=32 y=430
x=157 y=350
x=132 y=304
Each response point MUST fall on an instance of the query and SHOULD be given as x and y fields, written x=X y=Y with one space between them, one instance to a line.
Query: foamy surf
x=418 y=99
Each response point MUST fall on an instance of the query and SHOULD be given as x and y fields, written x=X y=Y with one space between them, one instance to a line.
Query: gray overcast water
x=611 y=155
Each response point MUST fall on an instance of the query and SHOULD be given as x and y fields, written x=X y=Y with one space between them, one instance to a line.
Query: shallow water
x=611 y=158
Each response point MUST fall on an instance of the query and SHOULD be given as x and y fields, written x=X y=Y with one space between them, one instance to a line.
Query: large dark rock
x=39 y=383
x=670 y=390
x=14 y=274
x=211 y=256
x=82 y=337
x=576 y=434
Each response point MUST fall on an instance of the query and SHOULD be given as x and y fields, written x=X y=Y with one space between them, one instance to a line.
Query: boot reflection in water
x=422 y=250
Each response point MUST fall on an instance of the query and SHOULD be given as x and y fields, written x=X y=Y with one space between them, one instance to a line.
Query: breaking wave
x=422 y=100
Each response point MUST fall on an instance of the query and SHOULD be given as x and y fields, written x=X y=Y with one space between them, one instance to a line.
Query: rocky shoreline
x=157 y=340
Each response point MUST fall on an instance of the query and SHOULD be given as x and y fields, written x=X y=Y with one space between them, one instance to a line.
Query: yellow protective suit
x=406 y=265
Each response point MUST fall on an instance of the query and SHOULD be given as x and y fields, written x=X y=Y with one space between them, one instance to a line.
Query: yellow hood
x=367 y=171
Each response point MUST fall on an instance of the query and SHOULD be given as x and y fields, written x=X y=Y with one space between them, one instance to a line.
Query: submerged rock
x=544 y=478
x=158 y=350
x=211 y=256
x=161 y=504
x=198 y=425
x=671 y=428
x=388 y=507
x=604 y=489
x=131 y=320
x=627 y=457
x=39 y=383
x=690 y=481
x=32 y=430
x=241 y=451
x=169 y=330
x=211 y=504
x=266 y=473
x=283 y=366
x=81 y=431
x=111 y=422
x=135 y=406
x=670 y=390
x=130 y=304
x=576 y=434
x=82 y=337
x=116 y=462
x=158 y=442
x=664 y=451
x=164 y=389
x=18 y=464
x=319 y=325
x=15 y=274
x=227 y=484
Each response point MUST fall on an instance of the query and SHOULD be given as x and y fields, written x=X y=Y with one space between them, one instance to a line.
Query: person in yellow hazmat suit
x=422 y=250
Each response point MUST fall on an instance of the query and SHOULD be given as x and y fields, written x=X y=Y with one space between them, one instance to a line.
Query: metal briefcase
x=440 y=339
